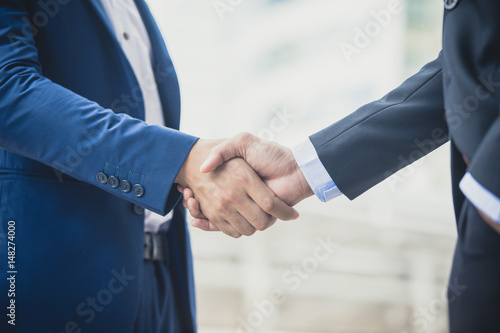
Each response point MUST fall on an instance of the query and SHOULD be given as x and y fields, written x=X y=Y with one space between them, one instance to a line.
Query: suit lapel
x=101 y=13
x=162 y=64
x=110 y=30
x=163 y=68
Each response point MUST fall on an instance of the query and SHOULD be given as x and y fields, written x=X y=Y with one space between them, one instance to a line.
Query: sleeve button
x=138 y=210
x=102 y=178
x=125 y=186
x=113 y=182
x=138 y=190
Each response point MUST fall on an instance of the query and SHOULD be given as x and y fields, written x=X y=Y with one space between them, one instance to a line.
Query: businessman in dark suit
x=456 y=97
x=89 y=155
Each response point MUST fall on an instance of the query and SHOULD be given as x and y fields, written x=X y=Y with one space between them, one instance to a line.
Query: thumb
x=219 y=154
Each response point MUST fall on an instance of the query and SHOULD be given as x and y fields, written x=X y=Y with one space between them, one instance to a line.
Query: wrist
x=302 y=188
x=182 y=175
x=191 y=167
x=305 y=189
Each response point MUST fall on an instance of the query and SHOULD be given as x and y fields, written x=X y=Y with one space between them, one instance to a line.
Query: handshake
x=241 y=185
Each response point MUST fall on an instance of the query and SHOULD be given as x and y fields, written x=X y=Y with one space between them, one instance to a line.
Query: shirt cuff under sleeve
x=315 y=173
x=481 y=197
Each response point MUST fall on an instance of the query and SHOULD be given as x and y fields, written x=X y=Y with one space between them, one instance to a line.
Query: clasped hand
x=241 y=185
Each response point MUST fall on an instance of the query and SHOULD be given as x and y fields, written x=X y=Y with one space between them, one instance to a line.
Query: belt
x=154 y=246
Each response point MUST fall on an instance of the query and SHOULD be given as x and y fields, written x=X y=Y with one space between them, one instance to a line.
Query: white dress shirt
x=481 y=197
x=315 y=173
x=136 y=45
x=325 y=189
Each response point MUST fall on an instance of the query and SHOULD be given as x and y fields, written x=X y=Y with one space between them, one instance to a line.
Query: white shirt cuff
x=315 y=173
x=481 y=197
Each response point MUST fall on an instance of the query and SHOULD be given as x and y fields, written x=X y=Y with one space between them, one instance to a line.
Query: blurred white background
x=284 y=69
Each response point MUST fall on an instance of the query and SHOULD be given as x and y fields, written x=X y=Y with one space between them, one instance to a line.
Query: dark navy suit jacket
x=455 y=96
x=70 y=103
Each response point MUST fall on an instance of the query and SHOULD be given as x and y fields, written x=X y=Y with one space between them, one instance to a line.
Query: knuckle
x=241 y=176
x=268 y=222
x=235 y=234
x=229 y=196
x=249 y=231
x=268 y=204
x=218 y=207
x=246 y=137
x=261 y=225
x=229 y=232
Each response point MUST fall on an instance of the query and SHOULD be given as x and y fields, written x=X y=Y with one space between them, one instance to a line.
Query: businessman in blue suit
x=454 y=98
x=91 y=236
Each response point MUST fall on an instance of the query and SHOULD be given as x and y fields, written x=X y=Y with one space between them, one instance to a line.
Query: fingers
x=249 y=211
x=237 y=227
x=270 y=203
x=204 y=224
x=194 y=209
x=225 y=151
x=181 y=190
x=257 y=204
x=234 y=198
x=239 y=223
x=186 y=194
x=191 y=204
x=227 y=228
x=257 y=217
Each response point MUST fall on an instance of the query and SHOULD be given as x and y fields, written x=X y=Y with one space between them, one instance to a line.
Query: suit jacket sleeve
x=382 y=137
x=48 y=123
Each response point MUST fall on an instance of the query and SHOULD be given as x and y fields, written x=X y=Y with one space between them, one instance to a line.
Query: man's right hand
x=233 y=197
x=274 y=163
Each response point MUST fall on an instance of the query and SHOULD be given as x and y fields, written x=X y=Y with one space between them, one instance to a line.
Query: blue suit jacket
x=70 y=103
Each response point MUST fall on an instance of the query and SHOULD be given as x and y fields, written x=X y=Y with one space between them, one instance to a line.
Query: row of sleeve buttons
x=125 y=186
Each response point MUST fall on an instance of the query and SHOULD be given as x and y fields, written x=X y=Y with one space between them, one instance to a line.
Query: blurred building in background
x=284 y=69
